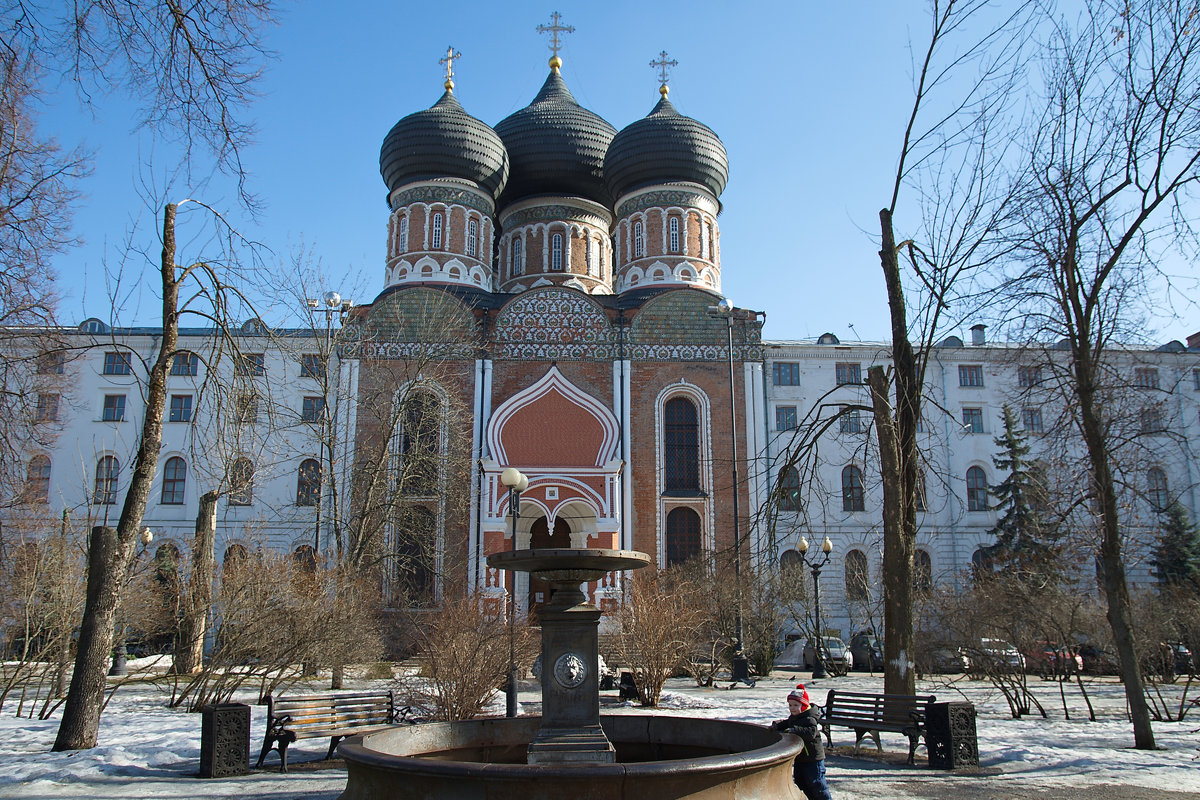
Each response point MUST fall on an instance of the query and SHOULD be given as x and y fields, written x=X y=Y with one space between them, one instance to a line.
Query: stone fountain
x=571 y=751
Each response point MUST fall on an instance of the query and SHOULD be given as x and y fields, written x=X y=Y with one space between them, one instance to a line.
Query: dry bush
x=661 y=621
x=463 y=651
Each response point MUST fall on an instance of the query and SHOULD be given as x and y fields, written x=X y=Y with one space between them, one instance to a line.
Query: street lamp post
x=517 y=482
x=740 y=667
x=120 y=666
x=331 y=303
x=815 y=566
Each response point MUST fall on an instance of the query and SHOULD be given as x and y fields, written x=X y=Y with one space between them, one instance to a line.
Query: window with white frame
x=674 y=234
x=403 y=248
x=472 y=238
x=639 y=240
x=436 y=243
x=518 y=256
x=556 y=252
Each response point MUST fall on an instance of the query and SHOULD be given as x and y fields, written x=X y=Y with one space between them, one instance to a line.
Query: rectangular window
x=848 y=372
x=1031 y=420
x=114 y=408
x=247 y=409
x=472 y=237
x=251 y=364
x=785 y=418
x=786 y=373
x=52 y=364
x=313 y=409
x=973 y=420
x=1151 y=420
x=1196 y=379
x=970 y=375
x=1145 y=378
x=181 y=408
x=185 y=364
x=116 y=363
x=850 y=421
x=312 y=366
x=1028 y=376
x=47 y=408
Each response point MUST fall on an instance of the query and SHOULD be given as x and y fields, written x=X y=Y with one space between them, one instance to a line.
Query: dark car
x=1182 y=656
x=867 y=652
x=1097 y=660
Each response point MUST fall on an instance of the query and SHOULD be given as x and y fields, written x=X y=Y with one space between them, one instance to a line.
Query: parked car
x=1051 y=660
x=1097 y=660
x=944 y=661
x=835 y=655
x=994 y=655
x=867 y=651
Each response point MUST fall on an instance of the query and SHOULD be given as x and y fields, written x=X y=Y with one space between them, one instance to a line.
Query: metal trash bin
x=950 y=735
x=224 y=740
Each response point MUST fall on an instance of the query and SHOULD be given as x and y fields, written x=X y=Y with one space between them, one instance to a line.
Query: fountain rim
x=560 y=559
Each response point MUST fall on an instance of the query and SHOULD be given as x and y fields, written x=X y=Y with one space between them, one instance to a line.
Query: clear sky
x=809 y=98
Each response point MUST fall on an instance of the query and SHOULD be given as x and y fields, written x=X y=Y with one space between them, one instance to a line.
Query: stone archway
x=540 y=536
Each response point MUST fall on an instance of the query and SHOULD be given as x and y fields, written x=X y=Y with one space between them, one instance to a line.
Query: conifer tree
x=1177 y=558
x=1025 y=538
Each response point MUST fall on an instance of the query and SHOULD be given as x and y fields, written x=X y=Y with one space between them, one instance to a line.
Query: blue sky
x=809 y=98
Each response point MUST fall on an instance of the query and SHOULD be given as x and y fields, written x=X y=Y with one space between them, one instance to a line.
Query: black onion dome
x=666 y=147
x=556 y=146
x=443 y=142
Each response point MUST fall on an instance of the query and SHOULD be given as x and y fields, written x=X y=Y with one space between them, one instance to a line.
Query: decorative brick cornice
x=433 y=193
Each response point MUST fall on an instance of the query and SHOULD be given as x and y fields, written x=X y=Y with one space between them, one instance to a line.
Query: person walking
x=808 y=770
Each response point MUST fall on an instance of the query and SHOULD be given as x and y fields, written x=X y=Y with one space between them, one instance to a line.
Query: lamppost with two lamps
x=815 y=566
x=517 y=482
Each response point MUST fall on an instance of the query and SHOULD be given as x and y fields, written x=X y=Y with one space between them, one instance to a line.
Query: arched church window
x=105 y=493
x=1156 y=489
x=308 y=482
x=174 y=481
x=682 y=535
x=681 y=446
x=858 y=585
x=976 y=489
x=518 y=257
x=922 y=574
x=420 y=425
x=437 y=232
x=37 y=482
x=789 y=489
x=403 y=247
x=556 y=252
x=639 y=240
x=674 y=234
x=413 y=558
x=472 y=237
x=852 y=489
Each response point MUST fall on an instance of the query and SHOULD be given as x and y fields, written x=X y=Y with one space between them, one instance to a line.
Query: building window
x=1150 y=420
x=518 y=257
x=681 y=446
x=54 y=364
x=181 y=408
x=174 y=481
x=976 y=489
x=973 y=420
x=639 y=240
x=472 y=238
x=850 y=421
x=556 y=252
x=1196 y=379
x=253 y=364
x=970 y=375
x=1031 y=420
x=789 y=489
x=37 y=483
x=1145 y=378
x=682 y=535
x=116 y=363
x=185 y=363
x=403 y=248
x=437 y=232
x=413 y=558
x=922 y=500
x=308 y=482
x=1028 y=377
x=858 y=576
x=791 y=564
x=312 y=409
x=1156 y=489
x=47 y=408
x=421 y=424
x=246 y=408
x=106 y=481
x=848 y=373
x=785 y=373
x=312 y=366
x=114 y=408
x=674 y=228
x=852 y=489
x=241 y=482
x=785 y=418
x=922 y=574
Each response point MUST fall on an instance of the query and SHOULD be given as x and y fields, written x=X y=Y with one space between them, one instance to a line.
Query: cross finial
x=448 y=60
x=663 y=65
x=554 y=29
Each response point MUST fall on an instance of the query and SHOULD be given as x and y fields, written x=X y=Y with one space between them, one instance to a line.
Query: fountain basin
x=658 y=757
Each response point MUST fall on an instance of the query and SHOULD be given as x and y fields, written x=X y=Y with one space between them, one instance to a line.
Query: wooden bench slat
x=868 y=714
x=333 y=715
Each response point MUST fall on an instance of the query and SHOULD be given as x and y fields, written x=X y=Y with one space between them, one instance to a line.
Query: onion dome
x=556 y=146
x=443 y=142
x=666 y=147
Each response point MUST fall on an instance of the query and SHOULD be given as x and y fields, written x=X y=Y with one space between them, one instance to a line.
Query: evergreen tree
x=1177 y=559
x=1026 y=539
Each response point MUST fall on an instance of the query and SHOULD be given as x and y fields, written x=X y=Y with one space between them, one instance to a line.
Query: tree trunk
x=109 y=558
x=193 y=622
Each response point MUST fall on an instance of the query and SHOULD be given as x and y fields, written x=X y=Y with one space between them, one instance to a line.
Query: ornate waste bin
x=224 y=740
x=950 y=735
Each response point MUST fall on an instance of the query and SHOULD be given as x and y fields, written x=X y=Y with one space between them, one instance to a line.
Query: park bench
x=868 y=714
x=314 y=716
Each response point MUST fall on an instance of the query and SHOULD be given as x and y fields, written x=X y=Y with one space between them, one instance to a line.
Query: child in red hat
x=808 y=770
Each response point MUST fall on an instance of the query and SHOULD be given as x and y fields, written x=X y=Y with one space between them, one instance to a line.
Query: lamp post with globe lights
x=815 y=566
x=517 y=482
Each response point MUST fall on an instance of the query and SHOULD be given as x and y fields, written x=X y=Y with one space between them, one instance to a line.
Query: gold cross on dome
x=448 y=60
x=663 y=65
x=554 y=29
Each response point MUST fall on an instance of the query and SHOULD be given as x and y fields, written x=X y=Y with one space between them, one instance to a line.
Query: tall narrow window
x=852 y=489
x=241 y=482
x=858 y=576
x=413 y=558
x=674 y=228
x=472 y=237
x=556 y=252
x=681 y=446
x=403 y=247
x=308 y=482
x=174 y=481
x=922 y=574
x=1156 y=489
x=518 y=257
x=588 y=260
x=37 y=483
x=420 y=426
x=682 y=535
x=922 y=501
x=47 y=408
x=639 y=240
x=789 y=489
x=437 y=232
x=105 y=493
x=976 y=489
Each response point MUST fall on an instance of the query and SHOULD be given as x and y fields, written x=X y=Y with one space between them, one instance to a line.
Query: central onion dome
x=666 y=147
x=556 y=147
x=443 y=142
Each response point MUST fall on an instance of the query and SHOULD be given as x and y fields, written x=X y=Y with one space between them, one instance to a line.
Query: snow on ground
x=149 y=750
